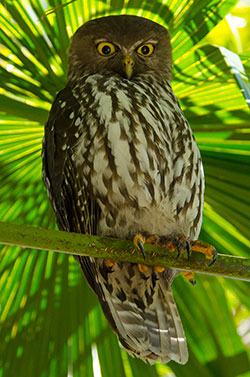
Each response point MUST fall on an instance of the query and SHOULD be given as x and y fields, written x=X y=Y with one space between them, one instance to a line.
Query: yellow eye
x=146 y=50
x=106 y=48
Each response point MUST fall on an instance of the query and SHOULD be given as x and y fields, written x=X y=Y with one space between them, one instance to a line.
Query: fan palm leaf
x=51 y=323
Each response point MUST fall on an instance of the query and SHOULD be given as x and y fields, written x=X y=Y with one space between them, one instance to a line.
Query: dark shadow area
x=66 y=301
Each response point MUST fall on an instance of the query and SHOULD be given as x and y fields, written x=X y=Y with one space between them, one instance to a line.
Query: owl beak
x=128 y=66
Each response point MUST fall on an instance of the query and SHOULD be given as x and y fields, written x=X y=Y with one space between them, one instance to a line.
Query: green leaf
x=51 y=321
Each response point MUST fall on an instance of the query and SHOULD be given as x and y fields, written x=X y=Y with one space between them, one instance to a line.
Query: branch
x=116 y=249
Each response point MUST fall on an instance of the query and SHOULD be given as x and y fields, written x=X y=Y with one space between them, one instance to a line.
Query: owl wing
x=75 y=210
x=57 y=161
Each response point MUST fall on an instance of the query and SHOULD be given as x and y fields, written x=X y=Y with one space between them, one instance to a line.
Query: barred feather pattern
x=119 y=159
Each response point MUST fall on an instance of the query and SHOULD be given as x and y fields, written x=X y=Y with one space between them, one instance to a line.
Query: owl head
x=120 y=45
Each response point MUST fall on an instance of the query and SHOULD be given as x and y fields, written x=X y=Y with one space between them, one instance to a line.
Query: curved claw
x=183 y=245
x=215 y=256
x=141 y=246
x=188 y=248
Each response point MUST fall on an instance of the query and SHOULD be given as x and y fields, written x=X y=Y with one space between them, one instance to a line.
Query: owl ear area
x=146 y=49
x=106 y=48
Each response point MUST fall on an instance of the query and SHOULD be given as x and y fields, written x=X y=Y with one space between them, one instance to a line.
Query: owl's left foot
x=172 y=243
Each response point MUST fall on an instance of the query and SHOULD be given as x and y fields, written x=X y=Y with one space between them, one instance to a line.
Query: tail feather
x=178 y=345
x=142 y=311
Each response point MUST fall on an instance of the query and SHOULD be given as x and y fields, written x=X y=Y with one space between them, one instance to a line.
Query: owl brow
x=142 y=42
x=153 y=41
x=99 y=40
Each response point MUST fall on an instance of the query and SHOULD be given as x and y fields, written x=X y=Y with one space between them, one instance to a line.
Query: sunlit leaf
x=51 y=322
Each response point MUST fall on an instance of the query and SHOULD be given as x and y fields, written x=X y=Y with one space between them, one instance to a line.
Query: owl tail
x=148 y=324
x=140 y=308
x=153 y=334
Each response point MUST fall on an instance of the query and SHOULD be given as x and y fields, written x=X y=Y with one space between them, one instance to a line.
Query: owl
x=120 y=160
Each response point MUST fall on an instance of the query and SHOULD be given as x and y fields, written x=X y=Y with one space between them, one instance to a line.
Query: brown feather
x=119 y=158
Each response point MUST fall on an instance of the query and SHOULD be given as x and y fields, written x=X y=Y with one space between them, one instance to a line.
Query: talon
x=178 y=252
x=139 y=241
x=142 y=267
x=109 y=262
x=141 y=246
x=188 y=248
x=215 y=256
x=189 y=275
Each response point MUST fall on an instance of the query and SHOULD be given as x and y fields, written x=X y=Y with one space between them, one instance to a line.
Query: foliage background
x=51 y=323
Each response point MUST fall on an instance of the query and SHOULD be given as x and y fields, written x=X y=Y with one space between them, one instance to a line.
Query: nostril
x=129 y=62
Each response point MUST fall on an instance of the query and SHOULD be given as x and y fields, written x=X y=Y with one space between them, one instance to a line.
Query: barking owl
x=120 y=159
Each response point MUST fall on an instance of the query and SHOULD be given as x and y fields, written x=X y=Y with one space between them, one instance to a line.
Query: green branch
x=116 y=249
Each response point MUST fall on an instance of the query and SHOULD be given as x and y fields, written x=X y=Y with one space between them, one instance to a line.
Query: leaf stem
x=123 y=250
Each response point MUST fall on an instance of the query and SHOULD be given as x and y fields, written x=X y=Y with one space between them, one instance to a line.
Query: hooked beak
x=128 y=66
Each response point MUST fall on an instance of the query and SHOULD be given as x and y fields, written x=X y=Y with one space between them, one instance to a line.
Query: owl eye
x=146 y=50
x=106 y=48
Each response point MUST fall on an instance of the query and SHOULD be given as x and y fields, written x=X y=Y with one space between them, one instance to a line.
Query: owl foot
x=209 y=251
x=201 y=247
x=139 y=241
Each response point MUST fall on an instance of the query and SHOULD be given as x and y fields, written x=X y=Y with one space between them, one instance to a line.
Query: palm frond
x=51 y=323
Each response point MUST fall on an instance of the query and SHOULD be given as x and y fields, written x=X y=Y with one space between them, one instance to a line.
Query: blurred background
x=234 y=31
x=51 y=324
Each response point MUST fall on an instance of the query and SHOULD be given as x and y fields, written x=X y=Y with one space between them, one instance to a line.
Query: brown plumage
x=119 y=159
